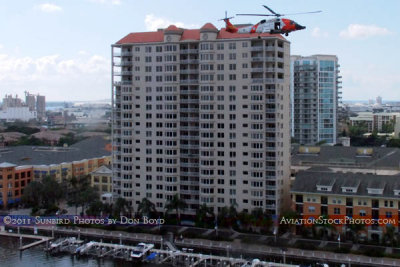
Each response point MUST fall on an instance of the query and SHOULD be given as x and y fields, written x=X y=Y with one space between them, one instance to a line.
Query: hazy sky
x=61 y=49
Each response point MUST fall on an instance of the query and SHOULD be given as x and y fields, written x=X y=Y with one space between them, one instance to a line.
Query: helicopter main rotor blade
x=270 y=10
x=256 y=15
x=311 y=12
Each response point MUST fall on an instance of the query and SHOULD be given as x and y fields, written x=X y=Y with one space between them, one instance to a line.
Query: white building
x=204 y=114
x=10 y=114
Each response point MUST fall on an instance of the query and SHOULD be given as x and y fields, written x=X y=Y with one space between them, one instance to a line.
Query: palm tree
x=176 y=204
x=203 y=213
x=121 y=206
x=356 y=229
x=146 y=207
x=228 y=215
x=389 y=236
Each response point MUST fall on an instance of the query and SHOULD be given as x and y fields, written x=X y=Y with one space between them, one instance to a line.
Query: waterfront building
x=13 y=179
x=24 y=164
x=354 y=195
x=202 y=113
x=315 y=90
x=101 y=180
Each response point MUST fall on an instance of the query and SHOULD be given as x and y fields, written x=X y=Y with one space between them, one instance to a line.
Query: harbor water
x=10 y=256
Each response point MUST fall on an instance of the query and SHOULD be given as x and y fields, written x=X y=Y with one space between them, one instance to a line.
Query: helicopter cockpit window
x=277 y=25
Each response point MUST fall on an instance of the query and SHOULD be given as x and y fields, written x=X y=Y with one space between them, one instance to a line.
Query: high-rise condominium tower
x=204 y=114
x=314 y=98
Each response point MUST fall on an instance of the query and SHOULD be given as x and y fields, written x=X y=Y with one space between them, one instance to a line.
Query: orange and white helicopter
x=277 y=25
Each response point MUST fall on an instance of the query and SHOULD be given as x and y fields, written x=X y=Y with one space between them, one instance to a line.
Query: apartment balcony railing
x=189 y=61
x=270 y=48
x=189 y=51
x=189 y=71
x=191 y=81
x=257 y=48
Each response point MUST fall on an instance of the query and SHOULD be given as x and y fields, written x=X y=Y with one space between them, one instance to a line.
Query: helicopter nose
x=299 y=27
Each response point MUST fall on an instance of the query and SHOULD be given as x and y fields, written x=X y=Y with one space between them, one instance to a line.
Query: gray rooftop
x=94 y=147
x=307 y=181
x=339 y=156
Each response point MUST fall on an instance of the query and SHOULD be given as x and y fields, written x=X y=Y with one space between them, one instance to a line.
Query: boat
x=141 y=251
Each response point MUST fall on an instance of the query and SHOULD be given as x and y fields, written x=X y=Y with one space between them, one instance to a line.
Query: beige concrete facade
x=205 y=117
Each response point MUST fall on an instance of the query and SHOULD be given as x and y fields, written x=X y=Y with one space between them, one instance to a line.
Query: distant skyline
x=61 y=49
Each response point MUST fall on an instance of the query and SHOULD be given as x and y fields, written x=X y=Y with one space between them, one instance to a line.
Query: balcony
x=193 y=110
x=191 y=81
x=123 y=83
x=257 y=69
x=189 y=71
x=189 y=92
x=258 y=80
x=189 y=119
x=189 y=128
x=189 y=137
x=255 y=59
x=189 y=51
x=189 y=101
x=280 y=49
x=270 y=149
x=189 y=192
x=270 y=48
x=195 y=174
x=189 y=61
x=185 y=146
x=119 y=73
x=256 y=48
x=270 y=69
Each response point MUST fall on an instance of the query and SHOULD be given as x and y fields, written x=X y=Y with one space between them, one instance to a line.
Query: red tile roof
x=172 y=28
x=188 y=34
x=208 y=26
x=142 y=37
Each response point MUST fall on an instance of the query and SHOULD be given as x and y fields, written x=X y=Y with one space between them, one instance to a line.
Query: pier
x=228 y=248
x=41 y=239
x=146 y=253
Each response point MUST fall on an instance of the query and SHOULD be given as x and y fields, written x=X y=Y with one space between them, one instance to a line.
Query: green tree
x=227 y=216
x=388 y=127
x=176 y=204
x=390 y=235
x=121 y=207
x=43 y=194
x=203 y=215
x=32 y=194
x=146 y=207
x=96 y=208
x=88 y=196
x=358 y=130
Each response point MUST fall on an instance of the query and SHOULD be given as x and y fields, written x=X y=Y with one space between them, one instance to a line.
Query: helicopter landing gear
x=287 y=34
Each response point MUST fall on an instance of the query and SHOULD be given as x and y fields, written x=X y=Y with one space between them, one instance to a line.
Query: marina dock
x=41 y=239
x=146 y=253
